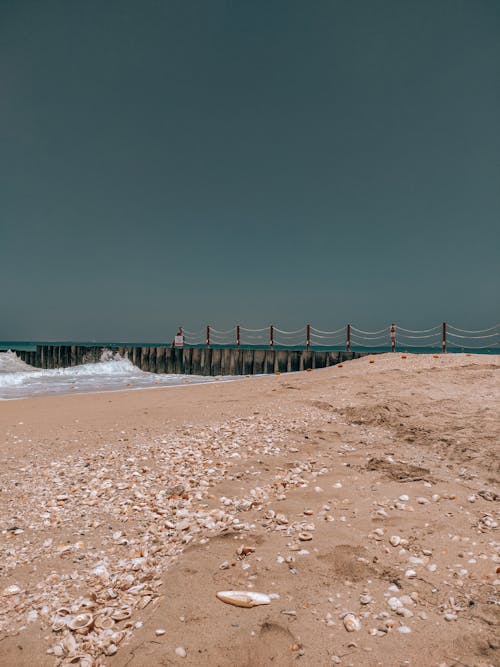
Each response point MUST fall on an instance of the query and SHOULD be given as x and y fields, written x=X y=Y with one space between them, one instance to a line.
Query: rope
x=192 y=333
x=254 y=330
x=423 y=336
x=438 y=326
x=434 y=345
x=287 y=344
x=367 y=346
x=474 y=337
x=384 y=337
x=476 y=331
x=469 y=347
x=289 y=333
x=370 y=333
x=319 y=335
x=328 y=332
x=222 y=332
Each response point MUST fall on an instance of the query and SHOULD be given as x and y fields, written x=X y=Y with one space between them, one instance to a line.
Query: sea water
x=112 y=373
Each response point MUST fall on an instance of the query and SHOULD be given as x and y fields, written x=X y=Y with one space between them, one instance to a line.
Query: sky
x=168 y=163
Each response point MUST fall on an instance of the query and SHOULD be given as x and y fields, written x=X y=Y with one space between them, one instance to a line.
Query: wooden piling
x=259 y=358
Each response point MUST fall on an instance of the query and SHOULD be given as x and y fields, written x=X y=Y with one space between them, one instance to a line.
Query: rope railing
x=348 y=337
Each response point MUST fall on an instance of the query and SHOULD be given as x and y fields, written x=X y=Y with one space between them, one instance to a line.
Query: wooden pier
x=189 y=360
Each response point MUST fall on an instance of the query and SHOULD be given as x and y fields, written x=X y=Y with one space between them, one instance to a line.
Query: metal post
x=208 y=335
x=393 y=337
x=308 y=336
x=348 y=338
x=271 y=336
x=238 y=336
x=444 y=337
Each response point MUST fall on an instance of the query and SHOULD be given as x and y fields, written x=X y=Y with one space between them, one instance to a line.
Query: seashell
x=60 y=622
x=394 y=603
x=121 y=614
x=58 y=650
x=159 y=632
x=404 y=629
x=281 y=519
x=81 y=623
x=395 y=540
x=181 y=652
x=11 y=590
x=104 y=622
x=243 y=598
x=111 y=649
x=269 y=514
x=351 y=623
x=70 y=644
x=144 y=601
x=305 y=536
x=364 y=598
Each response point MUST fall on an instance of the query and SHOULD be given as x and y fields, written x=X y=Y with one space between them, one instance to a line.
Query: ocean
x=112 y=373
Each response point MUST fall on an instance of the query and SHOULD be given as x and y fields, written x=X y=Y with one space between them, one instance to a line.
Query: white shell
x=243 y=598
x=81 y=623
x=121 y=614
x=11 y=590
x=351 y=623
x=305 y=536
x=104 y=622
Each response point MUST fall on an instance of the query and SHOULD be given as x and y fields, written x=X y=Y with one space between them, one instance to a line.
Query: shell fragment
x=243 y=598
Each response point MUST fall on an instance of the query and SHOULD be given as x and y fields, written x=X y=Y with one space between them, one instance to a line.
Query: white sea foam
x=20 y=380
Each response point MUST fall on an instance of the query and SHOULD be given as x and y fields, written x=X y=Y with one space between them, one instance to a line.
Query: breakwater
x=189 y=360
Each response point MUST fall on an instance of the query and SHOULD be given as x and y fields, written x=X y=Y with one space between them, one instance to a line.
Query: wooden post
x=271 y=337
x=393 y=337
x=308 y=336
x=444 y=337
x=348 y=338
x=208 y=335
x=238 y=340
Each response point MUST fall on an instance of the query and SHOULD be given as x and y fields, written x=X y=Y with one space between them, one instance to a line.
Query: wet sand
x=368 y=489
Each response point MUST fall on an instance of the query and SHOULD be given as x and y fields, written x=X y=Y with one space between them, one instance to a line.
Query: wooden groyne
x=189 y=360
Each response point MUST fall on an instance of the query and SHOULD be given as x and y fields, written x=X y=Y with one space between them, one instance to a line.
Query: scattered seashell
x=404 y=629
x=121 y=614
x=305 y=536
x=395 y=540
x=394 y=603
x=243 y=598
x=181 y=652
x=111 y=649
x=11 y=590
x=104 y=622
x=351 y=623
x=364 y=598
x=160 y=632
x=81 y=623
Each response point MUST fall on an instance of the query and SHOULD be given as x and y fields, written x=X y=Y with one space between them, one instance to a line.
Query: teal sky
x=192 y=162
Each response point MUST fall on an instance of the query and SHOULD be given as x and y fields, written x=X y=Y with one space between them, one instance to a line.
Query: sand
x=145 y=504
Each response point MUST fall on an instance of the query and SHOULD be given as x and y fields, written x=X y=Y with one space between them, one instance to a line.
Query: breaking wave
x=112 y=373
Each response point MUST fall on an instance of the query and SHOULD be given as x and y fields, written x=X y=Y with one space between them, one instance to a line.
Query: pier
x=189 y=360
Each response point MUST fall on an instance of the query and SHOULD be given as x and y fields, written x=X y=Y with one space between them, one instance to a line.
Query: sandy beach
x=361 y=498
